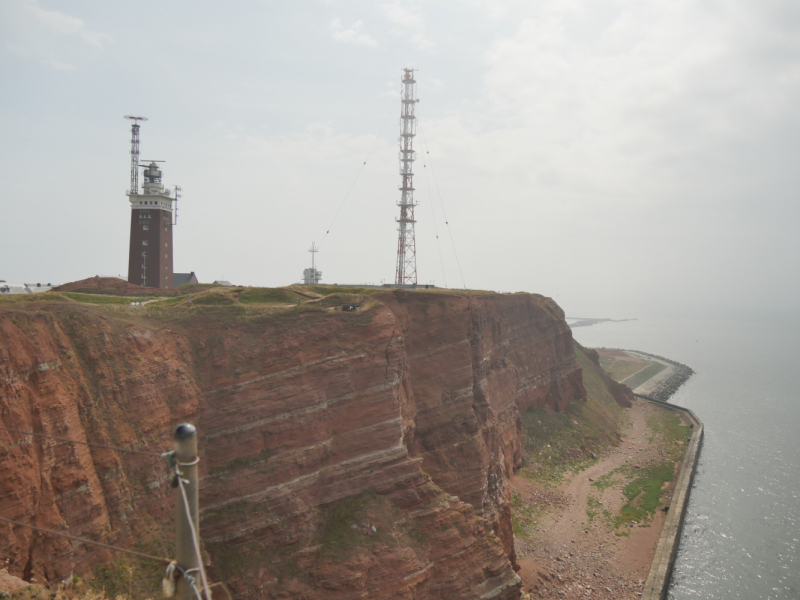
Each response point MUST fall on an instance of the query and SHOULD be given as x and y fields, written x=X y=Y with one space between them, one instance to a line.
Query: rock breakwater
x=669 y=386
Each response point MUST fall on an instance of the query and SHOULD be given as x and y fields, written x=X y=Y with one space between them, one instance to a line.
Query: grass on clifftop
x=101 y=298
x=268 y=296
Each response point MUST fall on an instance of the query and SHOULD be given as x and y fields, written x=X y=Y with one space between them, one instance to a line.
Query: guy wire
x=433 y=212
x=446 y=221
x=63 y=439
x=361 y=168
x=165 y=561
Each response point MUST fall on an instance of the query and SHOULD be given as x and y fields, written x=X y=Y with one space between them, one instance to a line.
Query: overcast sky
x=628 y=157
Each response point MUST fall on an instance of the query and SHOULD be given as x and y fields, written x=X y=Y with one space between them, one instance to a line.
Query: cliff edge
x=363 y=454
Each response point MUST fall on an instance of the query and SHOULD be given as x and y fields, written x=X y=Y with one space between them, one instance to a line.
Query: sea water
x=740 y=538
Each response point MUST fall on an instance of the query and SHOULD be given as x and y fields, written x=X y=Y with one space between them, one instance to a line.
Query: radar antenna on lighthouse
x=135 y=152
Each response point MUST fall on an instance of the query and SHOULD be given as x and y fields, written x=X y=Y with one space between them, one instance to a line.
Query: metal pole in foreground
x=185 y=555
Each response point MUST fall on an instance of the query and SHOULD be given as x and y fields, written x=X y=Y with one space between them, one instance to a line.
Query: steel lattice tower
x=135 y=152
x=406 y=244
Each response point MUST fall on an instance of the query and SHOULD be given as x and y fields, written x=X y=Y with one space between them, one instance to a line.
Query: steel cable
x=142 y=555
x=165 y=561
x=195 y=541
x=63 y=439
x=441 y=202
x=352 y=185
x=433 y=212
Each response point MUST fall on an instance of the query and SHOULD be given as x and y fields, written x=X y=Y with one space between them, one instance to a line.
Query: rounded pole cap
x=184 y=431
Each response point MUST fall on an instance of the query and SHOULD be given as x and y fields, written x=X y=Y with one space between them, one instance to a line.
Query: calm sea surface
x=741 y=534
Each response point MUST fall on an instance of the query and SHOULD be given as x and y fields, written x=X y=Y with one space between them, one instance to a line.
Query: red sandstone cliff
x=344 y=455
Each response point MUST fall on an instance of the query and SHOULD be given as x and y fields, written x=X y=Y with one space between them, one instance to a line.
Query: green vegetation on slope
x=343 y=528
x=324 y=290
x=554 y=443
x=132 y=576
x=212 y=299
x=645 y=487
x=675 y=433
x=524 y=516
x=268 y=296
x=78 y=591
x=644 y=493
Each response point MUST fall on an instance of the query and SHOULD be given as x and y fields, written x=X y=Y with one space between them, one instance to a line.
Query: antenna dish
x=132 y=118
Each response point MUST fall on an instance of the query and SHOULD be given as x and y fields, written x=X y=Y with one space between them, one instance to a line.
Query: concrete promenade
x=658 y=578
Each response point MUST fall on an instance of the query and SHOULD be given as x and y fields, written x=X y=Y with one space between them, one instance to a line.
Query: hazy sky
x=626 y=157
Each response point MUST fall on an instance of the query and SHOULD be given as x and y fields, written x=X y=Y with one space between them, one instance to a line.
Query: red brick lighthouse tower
x=150 y=255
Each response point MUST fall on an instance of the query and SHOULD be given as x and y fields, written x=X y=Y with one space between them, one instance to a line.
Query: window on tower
x=144 y=242
x=145 y=226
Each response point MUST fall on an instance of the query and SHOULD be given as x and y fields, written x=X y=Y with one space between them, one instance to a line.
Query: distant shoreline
x=588 y=321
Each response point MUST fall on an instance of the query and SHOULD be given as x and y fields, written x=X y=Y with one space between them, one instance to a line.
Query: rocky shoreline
x=666 y=389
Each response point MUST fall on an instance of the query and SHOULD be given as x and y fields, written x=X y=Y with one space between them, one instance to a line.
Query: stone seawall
x=658 y=579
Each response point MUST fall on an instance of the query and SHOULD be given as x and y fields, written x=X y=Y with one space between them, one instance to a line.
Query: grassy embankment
x=620 y=367
x=638 y=378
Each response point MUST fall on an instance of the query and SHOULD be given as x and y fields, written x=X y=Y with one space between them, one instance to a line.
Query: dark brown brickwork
x=151 y=233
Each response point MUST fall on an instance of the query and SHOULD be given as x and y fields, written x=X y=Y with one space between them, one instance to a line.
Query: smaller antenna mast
x=178 y=190
x=312 y=276
x=135 y=152
x=314 y=251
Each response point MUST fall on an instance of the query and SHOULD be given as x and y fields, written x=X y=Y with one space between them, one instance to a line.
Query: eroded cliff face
x=70 y=373
x=343 y=455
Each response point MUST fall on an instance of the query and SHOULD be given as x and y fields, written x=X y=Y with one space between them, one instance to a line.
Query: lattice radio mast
x=135 y=152
x=406 y=244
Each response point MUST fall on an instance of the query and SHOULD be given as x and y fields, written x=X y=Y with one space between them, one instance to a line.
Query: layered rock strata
x=69 y=373
x=344 y=455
